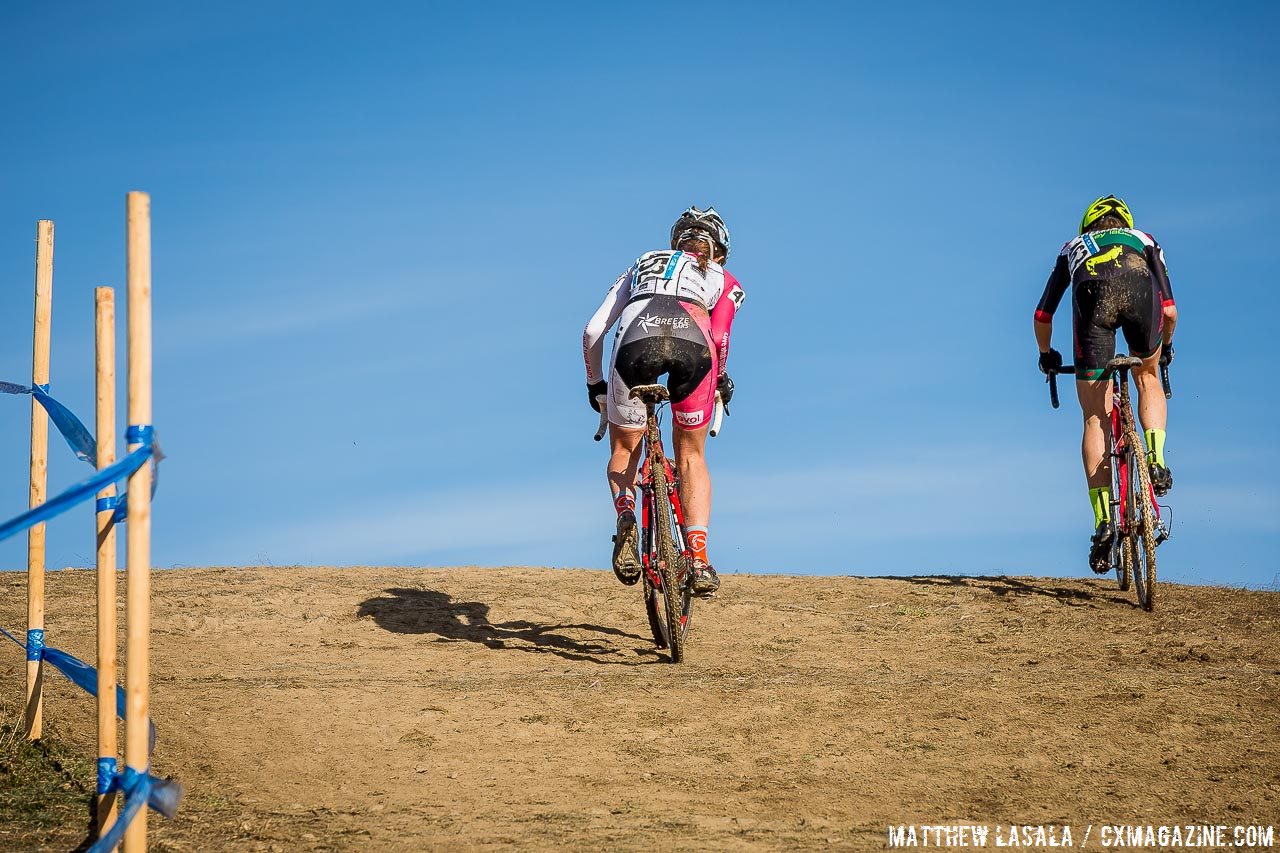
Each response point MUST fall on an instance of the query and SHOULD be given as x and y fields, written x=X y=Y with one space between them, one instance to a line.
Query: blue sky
x=379 y=232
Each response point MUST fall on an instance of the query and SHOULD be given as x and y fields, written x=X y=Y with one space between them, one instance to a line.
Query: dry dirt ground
x=412 y=709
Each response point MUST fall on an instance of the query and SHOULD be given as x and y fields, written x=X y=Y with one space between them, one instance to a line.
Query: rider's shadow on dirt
x=429 y=611
x=1002 y=586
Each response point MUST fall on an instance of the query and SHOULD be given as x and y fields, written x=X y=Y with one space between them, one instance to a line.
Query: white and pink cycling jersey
x=715 y=295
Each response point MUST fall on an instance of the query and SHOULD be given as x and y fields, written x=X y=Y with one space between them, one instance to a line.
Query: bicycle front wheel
x=1124 y=561
x=655 y=607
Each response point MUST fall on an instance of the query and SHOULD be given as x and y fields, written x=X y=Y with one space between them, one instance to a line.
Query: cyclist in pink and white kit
x=674 y=310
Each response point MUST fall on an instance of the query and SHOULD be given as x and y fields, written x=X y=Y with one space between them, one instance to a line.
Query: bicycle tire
x=1144 y=534
x=1124 y=562
x=668 y=560
x=654 y=607
x=654 y=599
x=1132 y=550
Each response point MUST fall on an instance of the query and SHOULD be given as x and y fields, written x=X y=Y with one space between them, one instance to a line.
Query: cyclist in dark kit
x=674 y=309
x=1118 y=281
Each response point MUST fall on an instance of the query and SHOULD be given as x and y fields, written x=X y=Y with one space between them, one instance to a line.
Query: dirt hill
x=409 y=709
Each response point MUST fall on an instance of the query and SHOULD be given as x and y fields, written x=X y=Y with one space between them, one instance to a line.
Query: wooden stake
x=138 y=652
x=39 y=472
x=104 y=303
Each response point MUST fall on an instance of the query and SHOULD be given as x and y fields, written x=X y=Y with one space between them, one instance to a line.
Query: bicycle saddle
x=1124 y=361
x=652 y=394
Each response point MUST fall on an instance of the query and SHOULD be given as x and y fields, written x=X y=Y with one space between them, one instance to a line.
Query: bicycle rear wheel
x=675 y=597
x=1143 y=514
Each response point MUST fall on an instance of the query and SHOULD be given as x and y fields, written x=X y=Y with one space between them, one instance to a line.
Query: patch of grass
x=418 y=738
x=46 y=791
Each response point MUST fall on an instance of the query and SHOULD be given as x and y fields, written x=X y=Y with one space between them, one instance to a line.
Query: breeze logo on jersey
x=649 y=322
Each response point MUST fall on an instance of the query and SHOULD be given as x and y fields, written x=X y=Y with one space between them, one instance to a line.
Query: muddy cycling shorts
x=663 y=335
x=1129 y=302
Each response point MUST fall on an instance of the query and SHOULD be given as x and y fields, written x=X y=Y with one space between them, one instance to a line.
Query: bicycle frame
x=646 y=515
x=1120 y=472
x=648 y=507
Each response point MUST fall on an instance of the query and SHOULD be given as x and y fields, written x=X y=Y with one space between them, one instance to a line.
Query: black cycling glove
x=596 y=389
x=1050 y=361
x=725 y=388
x=1166 y=355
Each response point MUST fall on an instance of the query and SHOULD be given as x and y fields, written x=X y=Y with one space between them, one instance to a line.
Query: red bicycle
x=1139 y=525
x=664 y=552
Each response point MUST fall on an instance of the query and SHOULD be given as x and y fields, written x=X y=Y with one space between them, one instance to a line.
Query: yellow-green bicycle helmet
x=1108 y=204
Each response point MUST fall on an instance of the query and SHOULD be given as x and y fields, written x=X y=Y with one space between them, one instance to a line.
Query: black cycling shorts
x=1129 y=302
x=663 y=335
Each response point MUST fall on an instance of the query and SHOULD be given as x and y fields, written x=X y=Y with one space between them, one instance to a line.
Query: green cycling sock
x=1155 y=447
x=1100 y=499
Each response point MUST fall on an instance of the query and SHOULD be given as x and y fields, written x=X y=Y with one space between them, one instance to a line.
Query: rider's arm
x=1054 y=288
x=1159 y=272
x=722 y=315
x=606 y=315
x=1170 y=321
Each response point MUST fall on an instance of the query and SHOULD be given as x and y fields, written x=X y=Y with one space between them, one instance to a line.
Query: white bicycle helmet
x=706 y=222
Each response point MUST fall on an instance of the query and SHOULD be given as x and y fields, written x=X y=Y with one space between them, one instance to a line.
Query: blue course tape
x=106 y=774
x=77 y=435
x=35 y=643
x=77 y=493
x=77 y=672
x=138 y=787
x=80 y=674
x=135 y=787
x=85 y=676
x=104 y=504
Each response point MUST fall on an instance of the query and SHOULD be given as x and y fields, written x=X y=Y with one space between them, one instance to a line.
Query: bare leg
x=1152 y=408
x=624 y=460
x=1095 y=403
x=695 y=482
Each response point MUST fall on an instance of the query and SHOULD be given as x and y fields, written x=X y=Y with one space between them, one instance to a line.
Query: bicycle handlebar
x=717 y=416
x=1052 y=379
x=604 y=417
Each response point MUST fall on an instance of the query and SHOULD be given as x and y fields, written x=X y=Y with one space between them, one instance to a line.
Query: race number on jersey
x=671 y=273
